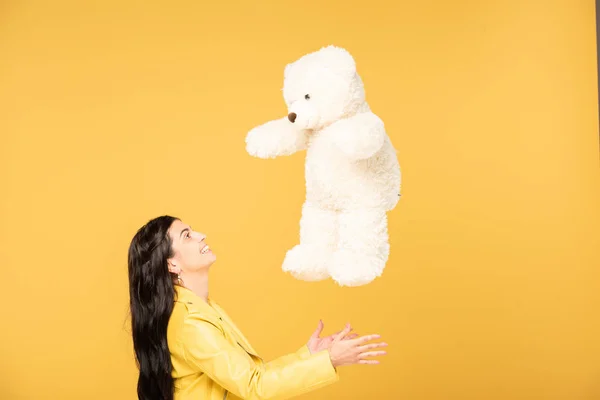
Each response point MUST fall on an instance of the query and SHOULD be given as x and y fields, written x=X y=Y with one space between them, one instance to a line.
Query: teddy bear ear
x=340 y=60
x=286 y=70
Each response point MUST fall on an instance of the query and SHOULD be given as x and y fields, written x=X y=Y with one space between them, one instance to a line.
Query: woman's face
x=191 y=253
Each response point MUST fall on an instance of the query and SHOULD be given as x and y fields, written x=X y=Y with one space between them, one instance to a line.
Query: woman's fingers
x=334 y=334
x=368 y=361
x=371 y=346
x=363 y=360
x=372 y=353
x=364 y=339
x=318 y=331
x=343 y=333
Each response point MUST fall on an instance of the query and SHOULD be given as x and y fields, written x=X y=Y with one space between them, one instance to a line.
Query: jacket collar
x=186 y=296
x=209 y=307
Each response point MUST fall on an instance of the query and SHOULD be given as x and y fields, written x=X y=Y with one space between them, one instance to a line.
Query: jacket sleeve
x=300 y=354
x=206 y=349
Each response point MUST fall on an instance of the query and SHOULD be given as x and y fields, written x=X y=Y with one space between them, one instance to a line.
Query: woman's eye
x=307 y=96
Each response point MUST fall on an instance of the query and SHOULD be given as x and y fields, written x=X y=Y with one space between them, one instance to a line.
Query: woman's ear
x=173 y=268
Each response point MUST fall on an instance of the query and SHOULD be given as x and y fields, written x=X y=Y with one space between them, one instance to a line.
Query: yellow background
x=112 y=113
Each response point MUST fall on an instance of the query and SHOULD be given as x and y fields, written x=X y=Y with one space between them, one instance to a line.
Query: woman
x=188 y=348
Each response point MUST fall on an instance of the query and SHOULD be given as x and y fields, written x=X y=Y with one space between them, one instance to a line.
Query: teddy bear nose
x=292 y=117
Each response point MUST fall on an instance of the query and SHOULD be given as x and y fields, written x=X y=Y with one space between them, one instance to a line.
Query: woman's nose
x=199 y=236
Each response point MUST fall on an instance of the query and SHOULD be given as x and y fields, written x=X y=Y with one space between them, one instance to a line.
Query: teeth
x=205 y=250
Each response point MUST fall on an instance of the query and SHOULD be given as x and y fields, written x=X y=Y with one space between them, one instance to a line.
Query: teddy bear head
x=321 y=87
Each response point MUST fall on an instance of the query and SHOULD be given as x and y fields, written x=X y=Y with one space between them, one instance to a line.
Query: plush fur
x=351 y=169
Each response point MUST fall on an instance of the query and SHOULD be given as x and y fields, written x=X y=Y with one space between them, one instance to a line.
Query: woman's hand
x=317 y=343
x=354 y=351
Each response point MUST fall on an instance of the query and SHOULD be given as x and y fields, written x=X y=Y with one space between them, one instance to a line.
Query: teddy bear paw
x=353 y=268
x=307 y=263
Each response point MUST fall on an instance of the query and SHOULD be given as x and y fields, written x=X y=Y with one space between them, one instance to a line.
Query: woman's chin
x=210 y=259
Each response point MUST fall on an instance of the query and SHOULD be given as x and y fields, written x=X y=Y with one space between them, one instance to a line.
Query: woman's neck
x=198 y=283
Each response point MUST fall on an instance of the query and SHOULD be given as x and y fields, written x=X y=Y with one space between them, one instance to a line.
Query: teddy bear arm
x=275 y=138
x=360 y=136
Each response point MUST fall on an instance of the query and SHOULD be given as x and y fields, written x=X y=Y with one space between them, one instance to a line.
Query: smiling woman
x=192 y=254
x=187 y=347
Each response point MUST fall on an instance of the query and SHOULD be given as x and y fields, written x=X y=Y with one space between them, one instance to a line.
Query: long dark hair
x=151 y=298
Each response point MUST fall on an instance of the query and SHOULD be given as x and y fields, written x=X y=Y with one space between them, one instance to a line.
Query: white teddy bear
x=351 y=169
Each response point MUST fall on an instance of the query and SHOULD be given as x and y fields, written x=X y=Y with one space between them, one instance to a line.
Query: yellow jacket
x=212 y=360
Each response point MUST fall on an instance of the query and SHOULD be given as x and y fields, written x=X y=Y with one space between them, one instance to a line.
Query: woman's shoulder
x=189 y=323
x=188 y=305
x=187 y=312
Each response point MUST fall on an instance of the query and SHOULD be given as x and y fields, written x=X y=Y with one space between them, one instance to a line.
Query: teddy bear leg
x=309 y=260
x=363 y=247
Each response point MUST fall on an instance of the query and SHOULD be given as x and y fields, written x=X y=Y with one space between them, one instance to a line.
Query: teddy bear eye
x=307 y=96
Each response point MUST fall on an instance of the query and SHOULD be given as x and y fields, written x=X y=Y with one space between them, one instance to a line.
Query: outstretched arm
x=275 y=138
x=360 y=136
x=315 y=344
x=301 y=354
x=207 y=350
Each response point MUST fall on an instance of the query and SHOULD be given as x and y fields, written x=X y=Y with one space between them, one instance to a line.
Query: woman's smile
x=205 y=250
